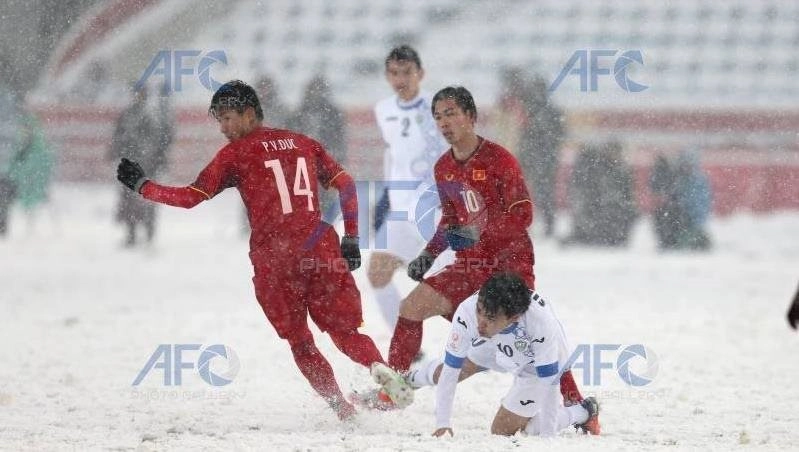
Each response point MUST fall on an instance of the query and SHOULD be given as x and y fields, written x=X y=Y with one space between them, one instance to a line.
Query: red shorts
x=316 y=281
x=459 y=280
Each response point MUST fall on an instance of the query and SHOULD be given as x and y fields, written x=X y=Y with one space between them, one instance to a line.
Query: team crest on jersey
x=479 y=174
x=523 y=341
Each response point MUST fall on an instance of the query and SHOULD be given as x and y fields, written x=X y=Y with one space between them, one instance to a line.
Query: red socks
x=568 y=388
x=359 y=347
x=405 y=344
x=316 y=370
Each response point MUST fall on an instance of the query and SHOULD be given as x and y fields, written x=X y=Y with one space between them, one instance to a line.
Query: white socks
x=422 y=375
x=388 y=300
x=567 y=416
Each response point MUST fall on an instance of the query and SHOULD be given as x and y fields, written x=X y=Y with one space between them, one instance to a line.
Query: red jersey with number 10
x=486 y=191
x=277 y=173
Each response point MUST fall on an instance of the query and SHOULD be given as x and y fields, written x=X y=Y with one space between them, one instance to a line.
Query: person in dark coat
x=603 y=202
x=321 y=119
x=539 y=149
x=138 y=136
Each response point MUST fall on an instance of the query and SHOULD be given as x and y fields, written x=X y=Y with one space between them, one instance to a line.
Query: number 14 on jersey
x=302 y=185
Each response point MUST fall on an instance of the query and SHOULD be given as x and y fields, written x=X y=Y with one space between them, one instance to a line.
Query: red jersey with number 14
x=277 y=173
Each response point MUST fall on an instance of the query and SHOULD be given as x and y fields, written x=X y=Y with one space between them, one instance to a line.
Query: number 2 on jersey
x=302 y=186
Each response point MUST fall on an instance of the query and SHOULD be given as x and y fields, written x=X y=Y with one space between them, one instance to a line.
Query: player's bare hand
x=441 y=431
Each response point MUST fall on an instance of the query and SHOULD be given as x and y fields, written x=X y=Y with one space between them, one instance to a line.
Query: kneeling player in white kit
x=508 y=328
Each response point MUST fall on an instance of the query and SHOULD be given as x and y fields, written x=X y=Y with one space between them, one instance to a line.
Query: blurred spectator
x=9 y=124
x=165 y=123
x=96 y=86
x=31 y=167
x=539 y=149
x=275 y=112
x=602 y=197
x=319 y=118
x=138 y=137
x=510 y=114
x=683 y=202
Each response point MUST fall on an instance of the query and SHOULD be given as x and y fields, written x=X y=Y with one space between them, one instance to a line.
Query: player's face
x=490 y=325
x=454 y=123
x=404 y=78
x=235 y=125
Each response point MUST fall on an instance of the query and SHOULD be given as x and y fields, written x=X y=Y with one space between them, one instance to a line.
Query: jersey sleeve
x=515 y=197
x=186 y=197
x=218 y=175
x=460 y=338
x=517 y=207
x=546 y=349
x=545 y=344
x=462 y=331
x=331 y=174
x=215 y=177
x=326 y=166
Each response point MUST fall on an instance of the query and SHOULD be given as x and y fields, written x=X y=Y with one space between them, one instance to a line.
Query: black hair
x=235 y=95
x=504 y=293
x=460 y=95
x=404 y=53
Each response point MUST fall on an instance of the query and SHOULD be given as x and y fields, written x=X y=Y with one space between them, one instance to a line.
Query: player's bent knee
x=301 y=342
x=506 y=423
x=381 y=269
x=424 y=302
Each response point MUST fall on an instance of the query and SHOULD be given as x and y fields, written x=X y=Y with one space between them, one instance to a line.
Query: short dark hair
x=504 y=293
x=460 y=95
x=404 y=53
x=235 y=95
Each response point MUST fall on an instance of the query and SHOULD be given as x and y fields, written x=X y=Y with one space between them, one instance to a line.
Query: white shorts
x=520 y=399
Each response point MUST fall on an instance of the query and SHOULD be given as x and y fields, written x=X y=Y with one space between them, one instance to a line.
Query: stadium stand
x=721 y=75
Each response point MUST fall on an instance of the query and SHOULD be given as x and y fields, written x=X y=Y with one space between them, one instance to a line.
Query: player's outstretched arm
x=131 y=175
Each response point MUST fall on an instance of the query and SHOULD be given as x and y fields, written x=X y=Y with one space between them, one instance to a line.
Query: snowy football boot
x=394 y=385
x=592 y=424
x=373 y=399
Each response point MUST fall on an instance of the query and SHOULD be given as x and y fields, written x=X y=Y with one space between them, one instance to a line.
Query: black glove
x=462 y=237
x=351 y=251
x=131 y=174
x=793 y=312
x=419 y=266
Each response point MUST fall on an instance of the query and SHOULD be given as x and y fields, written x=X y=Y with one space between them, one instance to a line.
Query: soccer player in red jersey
x=486 y=211
x=300 y=267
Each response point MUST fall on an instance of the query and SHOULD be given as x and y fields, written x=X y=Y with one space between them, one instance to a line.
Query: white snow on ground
x=80 y=317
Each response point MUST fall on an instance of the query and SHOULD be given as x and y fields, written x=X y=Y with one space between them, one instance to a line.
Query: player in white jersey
x=508 y=328
x=414 y=144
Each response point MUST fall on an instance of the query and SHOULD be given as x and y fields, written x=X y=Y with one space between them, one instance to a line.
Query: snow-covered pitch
x=80 y=317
